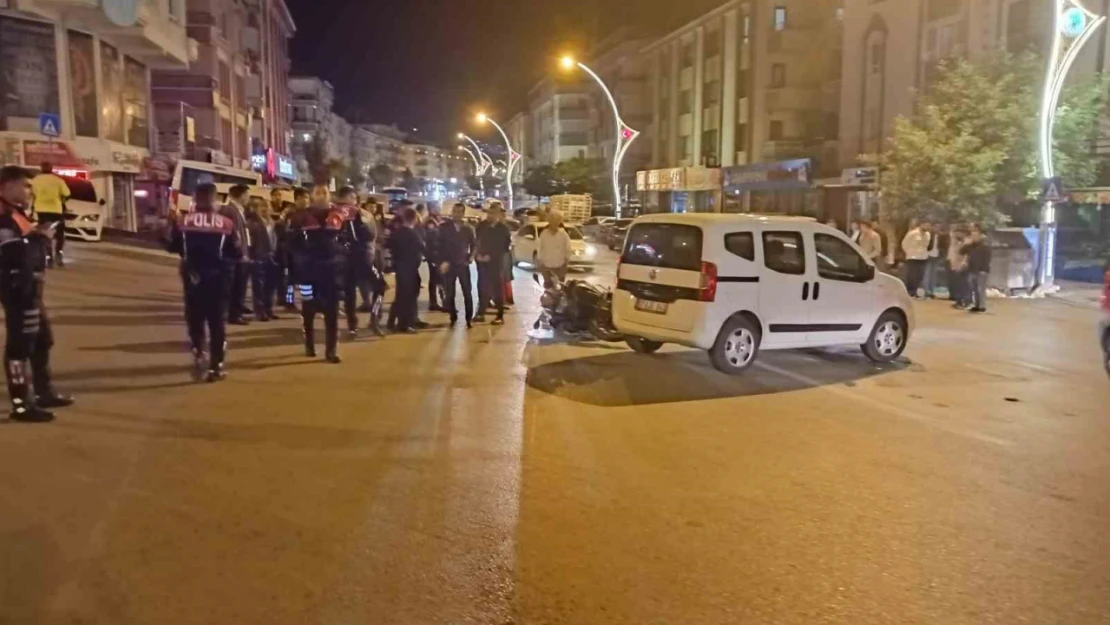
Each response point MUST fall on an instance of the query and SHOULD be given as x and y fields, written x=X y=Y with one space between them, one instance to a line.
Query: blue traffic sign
x=50 y=124
x=1053 y=190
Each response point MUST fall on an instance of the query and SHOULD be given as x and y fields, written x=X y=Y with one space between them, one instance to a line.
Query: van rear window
x=670 y=246
x=192 y=178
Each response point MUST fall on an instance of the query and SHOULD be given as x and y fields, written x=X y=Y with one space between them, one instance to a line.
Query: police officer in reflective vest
x=23 y=252
x=206 y=241
x=315 y=235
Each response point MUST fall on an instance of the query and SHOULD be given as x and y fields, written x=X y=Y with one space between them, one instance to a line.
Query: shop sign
x=679 y=179
x=59 y=153
x=102 y=155
x=286 y=168
x=860 y=176
x=258 y=162
x=782 y=175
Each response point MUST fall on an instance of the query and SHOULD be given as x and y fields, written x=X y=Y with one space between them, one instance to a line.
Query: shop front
x=275 y=168
x=782 y=187
x=114 y=169
x=680 y=190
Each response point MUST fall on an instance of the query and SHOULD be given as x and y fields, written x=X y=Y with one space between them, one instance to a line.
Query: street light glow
x=567 y=62
x=481 y=118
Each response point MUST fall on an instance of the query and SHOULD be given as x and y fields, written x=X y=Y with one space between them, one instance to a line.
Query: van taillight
x=708 y=291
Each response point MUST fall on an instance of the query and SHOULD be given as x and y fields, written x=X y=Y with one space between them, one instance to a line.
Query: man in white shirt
x=931 y=264
x=553 y=255
x=915 y=246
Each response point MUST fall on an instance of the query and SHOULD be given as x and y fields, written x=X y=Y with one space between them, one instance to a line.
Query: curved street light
x=479 y=169
x=514 y=157
x=625 y=133
x=1073 y=27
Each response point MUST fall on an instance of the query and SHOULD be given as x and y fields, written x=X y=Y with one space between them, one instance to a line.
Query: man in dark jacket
x=978 y=252
x=24 y=248
x=315 y=234
x=407 y=250
x=239 y=269
x=263 y=263
x=494 y=242
x=457 y=244
x=356 y=239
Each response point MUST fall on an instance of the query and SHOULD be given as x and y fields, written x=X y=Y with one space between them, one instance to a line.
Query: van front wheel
x=642 y=345
x=736 y=347
x=888 y=338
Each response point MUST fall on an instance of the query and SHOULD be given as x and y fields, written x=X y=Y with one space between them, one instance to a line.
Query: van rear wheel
x=641 y=345
x=736 y=347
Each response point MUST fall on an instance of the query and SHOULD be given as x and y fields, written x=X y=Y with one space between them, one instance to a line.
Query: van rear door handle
x=805 y=291
x=816 y=290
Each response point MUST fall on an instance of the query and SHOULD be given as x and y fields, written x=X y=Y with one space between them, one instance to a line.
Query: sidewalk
x=1079 y=293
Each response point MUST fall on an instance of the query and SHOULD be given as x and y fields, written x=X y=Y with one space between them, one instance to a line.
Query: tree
x=356 y=174
x=971 y=148
x=474 y=182
x=409 y=181
x=381 y=175
x=578 y=175
x=540 y=181
x=316 y=155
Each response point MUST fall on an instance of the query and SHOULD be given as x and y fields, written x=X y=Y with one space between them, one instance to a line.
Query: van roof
x=713 y=219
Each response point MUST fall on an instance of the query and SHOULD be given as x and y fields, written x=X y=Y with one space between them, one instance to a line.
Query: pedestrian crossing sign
x=50 y=125
x=1053 y=190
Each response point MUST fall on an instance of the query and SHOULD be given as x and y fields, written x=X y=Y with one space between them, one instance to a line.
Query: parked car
x=593 y=226
x=736 y=284
x=526 y=246
x=614 y=239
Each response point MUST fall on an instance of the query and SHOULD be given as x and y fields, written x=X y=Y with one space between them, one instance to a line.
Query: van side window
x=525 y=231
x=836 y=260
x=783 y=252
x=741 y=244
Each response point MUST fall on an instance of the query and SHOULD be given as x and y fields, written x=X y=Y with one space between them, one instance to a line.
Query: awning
x=778 y=176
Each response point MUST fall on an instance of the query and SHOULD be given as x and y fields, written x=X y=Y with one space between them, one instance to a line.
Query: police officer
x=316 y=231
x=356 y=240
x=207 y=242
x=408 y=253
x=23 y=251
x=288 y=237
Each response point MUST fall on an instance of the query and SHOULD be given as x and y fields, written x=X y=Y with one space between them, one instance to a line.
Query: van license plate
x=646 y=305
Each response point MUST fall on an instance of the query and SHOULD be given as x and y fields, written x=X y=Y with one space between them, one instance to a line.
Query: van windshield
x=671 y=246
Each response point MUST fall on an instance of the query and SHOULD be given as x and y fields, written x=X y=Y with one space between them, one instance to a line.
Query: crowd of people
x=329 y=251
x=964 y=250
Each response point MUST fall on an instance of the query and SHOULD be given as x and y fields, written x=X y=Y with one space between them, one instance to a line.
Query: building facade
x=891 y=49
x=559 y=114
x=266 y=42
x=311 y=117
x=751 y=82
x=93 y=75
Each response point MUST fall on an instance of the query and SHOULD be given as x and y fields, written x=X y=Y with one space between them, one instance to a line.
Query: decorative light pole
x=625 y=133
x=482 y=163
x=479 y=168
x=1072 y=29
x=514 y=157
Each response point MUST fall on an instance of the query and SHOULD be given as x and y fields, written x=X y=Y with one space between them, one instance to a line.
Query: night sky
x=431 y=63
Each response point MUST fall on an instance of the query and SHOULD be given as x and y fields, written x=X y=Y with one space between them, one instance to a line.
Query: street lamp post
x=482 y=163
x=514 y=157
x=625 y=133
x=1072 y=29
x=477 y=169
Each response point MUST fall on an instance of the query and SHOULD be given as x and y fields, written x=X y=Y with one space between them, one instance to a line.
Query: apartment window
x=225 y=136
x=877 y=57
x=741 y=137
x=225 y=81
x=710 y=148
x=712 y=93
x=778 y=75
x=775 y=132
x=685 y=148
x=688 y=54
x=780 y=18
x=173 y=9
x=742 y=88
x=746 y=27
x=686 y=102
x=712 y=43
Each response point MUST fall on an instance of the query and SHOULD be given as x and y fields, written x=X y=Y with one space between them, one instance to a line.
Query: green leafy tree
x=356 y=174
x=540 y=181
x=970 y=150
x=409 y=181
x=381 y=175
x=578 y=175
x=474 y=182
x=316 y=156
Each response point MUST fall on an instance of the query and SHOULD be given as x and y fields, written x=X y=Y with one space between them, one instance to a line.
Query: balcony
x=251 y=39
x=794 y=99
x=155 y=39
x=252 y=90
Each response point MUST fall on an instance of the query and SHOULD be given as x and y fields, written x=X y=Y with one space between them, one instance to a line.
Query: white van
x=188 y=174
x=736 y=284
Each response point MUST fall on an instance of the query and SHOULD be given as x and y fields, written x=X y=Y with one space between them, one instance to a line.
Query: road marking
x=857 y=396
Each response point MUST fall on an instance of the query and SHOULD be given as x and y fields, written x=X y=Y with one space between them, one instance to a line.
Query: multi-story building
x=748 y=84
x=339 y=138
x=892 y=47
x=201 y=110
x=559 y=112
x=91 y=69
x=377 y=144
x=266 y=45
x=312 y=99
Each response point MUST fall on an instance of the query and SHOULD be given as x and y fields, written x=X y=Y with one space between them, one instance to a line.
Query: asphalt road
x=474 y=477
